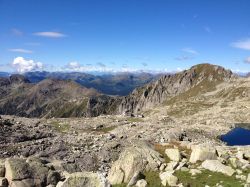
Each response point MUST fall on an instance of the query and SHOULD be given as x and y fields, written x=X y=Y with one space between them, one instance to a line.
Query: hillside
x=110 y=84
x=199 y=78
x=48 y=98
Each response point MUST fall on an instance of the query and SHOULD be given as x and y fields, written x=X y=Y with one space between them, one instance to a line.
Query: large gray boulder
x=17 y=169
x=217 y=166
x=140 y=157
x=84 y=179
x=201 y=153
x=26 y=173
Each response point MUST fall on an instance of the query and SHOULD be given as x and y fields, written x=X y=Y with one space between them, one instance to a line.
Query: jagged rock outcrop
x=155 y=93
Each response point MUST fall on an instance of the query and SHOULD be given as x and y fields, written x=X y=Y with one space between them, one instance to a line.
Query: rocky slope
x=50 y=98
x=200 y=77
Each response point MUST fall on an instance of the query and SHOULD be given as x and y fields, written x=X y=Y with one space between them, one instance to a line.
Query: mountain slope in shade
x=49 y=98
x=199 y=78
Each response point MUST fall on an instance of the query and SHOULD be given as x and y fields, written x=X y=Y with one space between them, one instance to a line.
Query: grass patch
x=153 y=179
x=60 y=127
x=119 y=185
x=207 y=178
x=105 y=129
x=131 y=120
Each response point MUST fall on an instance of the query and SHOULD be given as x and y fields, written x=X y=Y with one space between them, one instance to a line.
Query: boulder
x=172 y=166
x=38 y=169
x=84 y=179
x=200 y=153
x=173 y=154
x=216 y=166
x=248 y=178
x=3 y=182
x=137 y=176
x=167 y=178
x=53 y=177
x=138 y=158
x=141 y=183
x=16 y=169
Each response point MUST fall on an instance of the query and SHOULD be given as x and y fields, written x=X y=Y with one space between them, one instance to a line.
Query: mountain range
x=49 y=95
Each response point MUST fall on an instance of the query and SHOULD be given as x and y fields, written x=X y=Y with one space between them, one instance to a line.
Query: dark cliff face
x=169 y=86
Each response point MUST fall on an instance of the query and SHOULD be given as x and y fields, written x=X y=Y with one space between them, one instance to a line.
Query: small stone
x=194 y=171
x=141 y=183
x=168 y=178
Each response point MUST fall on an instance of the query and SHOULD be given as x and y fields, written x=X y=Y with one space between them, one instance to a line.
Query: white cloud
x=190 y=50
x=74 y=66
x=22 y=65
x=50 y=34
x=247 y=60
x=242 y=44
x=18 y=50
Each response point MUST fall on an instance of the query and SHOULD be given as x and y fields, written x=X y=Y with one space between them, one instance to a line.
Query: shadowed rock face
x=168 y=86
x=50 y=98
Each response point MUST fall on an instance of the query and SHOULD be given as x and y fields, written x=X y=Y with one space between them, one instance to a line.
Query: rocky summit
x=57 y=133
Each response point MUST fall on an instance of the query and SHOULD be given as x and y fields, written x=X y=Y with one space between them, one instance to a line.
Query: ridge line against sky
x=123 y=35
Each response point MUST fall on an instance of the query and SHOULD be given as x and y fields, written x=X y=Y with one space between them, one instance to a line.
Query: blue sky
x=123 y=35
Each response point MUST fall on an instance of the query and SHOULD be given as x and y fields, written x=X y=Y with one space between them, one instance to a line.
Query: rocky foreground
x=115 y=151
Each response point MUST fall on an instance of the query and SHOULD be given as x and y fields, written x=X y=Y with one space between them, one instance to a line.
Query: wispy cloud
x=144 y=64
x=242 y=44
x=16 y=32
x=50 y=34
x=190 y=50
x=247 y=60
x=207 y=29
x=22 y=65
x=101 y=64
x=183 y=58
x=18 y=50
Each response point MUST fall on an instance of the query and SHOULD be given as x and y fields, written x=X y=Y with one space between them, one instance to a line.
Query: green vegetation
x=105 y=129
x=206 y=178
x=153 y=179
x=119 y=185
x=71 y=109
x=60 y=127
x=133 y=119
